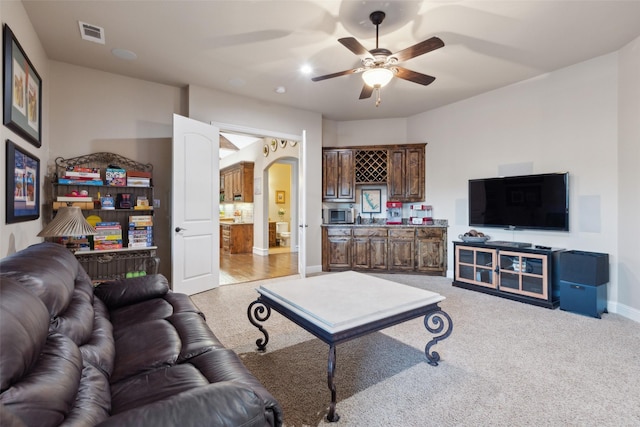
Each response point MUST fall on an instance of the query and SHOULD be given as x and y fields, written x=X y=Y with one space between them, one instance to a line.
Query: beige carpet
x=505 y=364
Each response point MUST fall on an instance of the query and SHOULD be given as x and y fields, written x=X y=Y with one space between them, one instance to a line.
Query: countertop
x=438 y=224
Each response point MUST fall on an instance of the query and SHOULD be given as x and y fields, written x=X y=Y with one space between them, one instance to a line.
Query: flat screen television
x=528 y=201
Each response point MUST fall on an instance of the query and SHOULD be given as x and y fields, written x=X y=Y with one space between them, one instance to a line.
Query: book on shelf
x=69 y=181
x=80 y=174
x=138 y=182
x=74 y=199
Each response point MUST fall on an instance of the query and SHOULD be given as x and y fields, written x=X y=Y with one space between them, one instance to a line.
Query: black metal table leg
x=332 y=416
x=259 y=311
x=435 y=322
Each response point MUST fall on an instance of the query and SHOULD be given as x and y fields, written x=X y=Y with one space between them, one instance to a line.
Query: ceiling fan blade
x=338 y=74
x=354 y=46
x=419 y=49
x=413 y=76
x=366 y=92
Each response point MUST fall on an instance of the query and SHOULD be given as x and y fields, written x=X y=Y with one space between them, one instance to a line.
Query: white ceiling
x=249 y=48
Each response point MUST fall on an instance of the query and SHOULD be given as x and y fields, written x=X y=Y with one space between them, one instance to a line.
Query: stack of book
x=76 y=175
x=140 y=231
x=138 y=179
x=108 y=237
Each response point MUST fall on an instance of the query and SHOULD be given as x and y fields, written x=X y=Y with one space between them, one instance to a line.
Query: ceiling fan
x=379 y=65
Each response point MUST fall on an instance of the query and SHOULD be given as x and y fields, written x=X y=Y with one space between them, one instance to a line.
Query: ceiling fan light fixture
x=377 y=77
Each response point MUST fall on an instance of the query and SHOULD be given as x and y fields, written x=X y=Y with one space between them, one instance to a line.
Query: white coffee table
x=338 y=307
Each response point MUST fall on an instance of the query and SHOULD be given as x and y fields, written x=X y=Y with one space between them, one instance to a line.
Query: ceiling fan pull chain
x=378 y=100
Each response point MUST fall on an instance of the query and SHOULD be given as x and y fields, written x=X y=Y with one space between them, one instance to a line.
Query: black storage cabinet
x=583 y=282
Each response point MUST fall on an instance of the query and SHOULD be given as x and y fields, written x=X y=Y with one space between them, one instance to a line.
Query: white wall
x=364 y=132
x=97 y=111
x=209 y=105
x=17 y=236
x=566 y=120
x=629 y=180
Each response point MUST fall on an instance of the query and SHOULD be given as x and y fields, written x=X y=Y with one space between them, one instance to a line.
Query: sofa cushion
x=155 y=385
x=49 y=270
x=23 y=330
x=48 y=391
x=195 y=335
x=118 y=293
x=144 y=347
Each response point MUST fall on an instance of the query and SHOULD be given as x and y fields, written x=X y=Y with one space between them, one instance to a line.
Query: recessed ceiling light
x=280 y=89
x=306 y=69
x=124 y=54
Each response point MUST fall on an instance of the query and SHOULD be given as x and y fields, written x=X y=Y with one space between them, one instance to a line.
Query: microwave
x=337 y=216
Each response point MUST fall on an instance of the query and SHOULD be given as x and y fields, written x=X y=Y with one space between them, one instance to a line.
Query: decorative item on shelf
x=473 y=236
x=274 y=144
x=107 y=203
x=283 y=143
x=265 y=150
x=71 y=225
x=116 y=176
x=293 y=143
x=123 y=201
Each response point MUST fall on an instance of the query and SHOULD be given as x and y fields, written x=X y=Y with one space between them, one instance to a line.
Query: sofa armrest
x=118 y=293
x=218 y=404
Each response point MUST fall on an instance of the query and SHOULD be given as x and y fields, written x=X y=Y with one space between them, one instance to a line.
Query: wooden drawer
x=369 y=232
x=339 y=231
x=403 y=233
x=427 y=233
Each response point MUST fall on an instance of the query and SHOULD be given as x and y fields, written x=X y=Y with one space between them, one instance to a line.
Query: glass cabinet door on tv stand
x=476 y=266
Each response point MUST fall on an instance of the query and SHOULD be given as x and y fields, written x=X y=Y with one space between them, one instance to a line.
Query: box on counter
x=116 y=177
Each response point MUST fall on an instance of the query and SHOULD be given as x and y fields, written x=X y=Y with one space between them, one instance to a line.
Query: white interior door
x=194 y=208
x=302 y=207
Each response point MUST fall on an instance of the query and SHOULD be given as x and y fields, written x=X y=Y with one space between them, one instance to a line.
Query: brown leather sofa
x=125 y=353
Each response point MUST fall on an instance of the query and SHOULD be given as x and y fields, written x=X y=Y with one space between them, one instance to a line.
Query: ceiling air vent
x=91 y=33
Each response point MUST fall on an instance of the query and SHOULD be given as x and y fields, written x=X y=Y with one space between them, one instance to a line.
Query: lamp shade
x=377 y=77
x=68 y=222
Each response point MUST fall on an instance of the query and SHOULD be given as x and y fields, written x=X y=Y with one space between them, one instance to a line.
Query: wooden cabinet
x=522 y=274
x=370 y=248
x=431 y=249
x=338 y=175
x=406 y=177
x=337 y=241
x=272 y=234
x=400 y=167
x=236 y=183
x=385 y=248
x=401 y=249
x=237 y=238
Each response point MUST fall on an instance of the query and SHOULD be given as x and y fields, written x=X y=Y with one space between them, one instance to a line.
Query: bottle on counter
x=359 y=219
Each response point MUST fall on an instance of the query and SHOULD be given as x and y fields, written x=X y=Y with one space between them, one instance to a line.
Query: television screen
x=530 y=201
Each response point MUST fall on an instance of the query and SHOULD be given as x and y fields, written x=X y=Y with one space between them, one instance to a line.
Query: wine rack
x=371 y=166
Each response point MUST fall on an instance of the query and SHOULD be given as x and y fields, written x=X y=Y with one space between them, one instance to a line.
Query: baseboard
x=260 y=251
x=624 y=310
x=314 y=269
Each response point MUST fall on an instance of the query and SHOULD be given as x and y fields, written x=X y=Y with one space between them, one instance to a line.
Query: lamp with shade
x=69 y=221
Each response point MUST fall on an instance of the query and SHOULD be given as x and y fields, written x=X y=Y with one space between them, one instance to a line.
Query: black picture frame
x=23 y=185
x=22 y=91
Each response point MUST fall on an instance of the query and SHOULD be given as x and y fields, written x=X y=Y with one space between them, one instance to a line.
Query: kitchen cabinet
x=431 y=249
x=392 y=248
x=406 y=173
x=338 y=175
x=370 y=248
x=338 y=243
x=272 y=234
x=401 y=249
x=236 y=183
x=237 y=238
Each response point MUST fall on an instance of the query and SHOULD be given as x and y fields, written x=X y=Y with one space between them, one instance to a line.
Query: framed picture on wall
x=22 y=92
x=23 y=185
x=371 y=201
x=279 y=196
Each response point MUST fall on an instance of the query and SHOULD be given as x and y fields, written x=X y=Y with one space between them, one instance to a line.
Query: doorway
x=281 y=258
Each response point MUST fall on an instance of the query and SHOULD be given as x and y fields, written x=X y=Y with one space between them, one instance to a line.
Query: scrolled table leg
x=332 y=416
x=259 y=312
x=436 y=321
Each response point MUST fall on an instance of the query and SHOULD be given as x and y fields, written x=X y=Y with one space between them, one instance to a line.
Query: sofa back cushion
x=24 y=325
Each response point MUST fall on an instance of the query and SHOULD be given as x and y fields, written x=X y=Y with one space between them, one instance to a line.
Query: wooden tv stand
x=525 y=274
